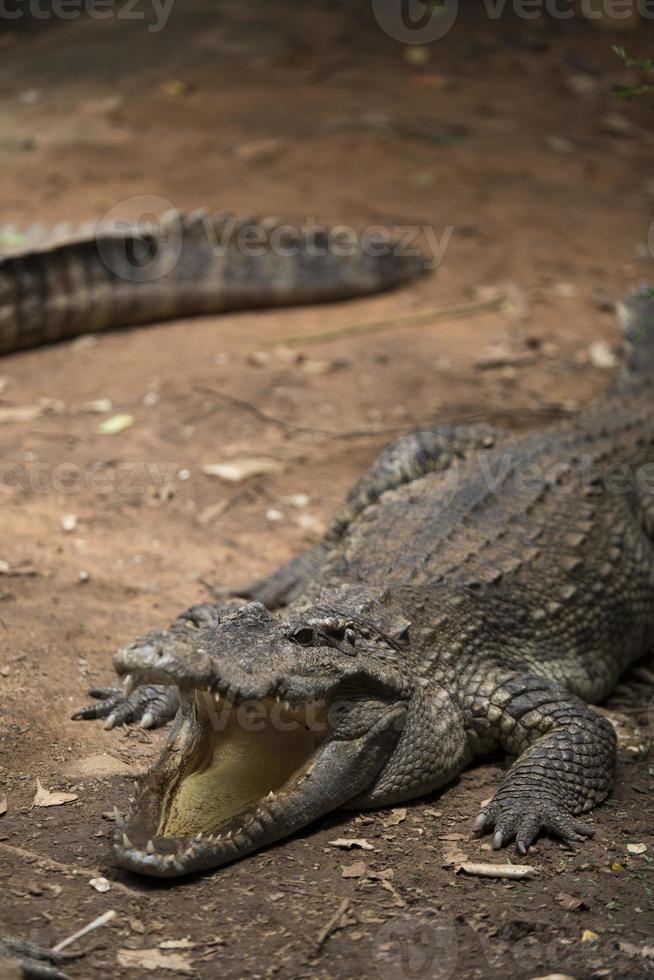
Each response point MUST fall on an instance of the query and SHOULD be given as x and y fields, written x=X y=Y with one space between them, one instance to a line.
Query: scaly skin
x=474 y=593
x=191 y=264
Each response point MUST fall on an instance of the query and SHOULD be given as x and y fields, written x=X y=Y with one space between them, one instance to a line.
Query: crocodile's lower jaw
x=223 y=786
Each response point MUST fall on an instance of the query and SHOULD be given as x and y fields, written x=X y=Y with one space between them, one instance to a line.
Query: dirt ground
x=503 y=131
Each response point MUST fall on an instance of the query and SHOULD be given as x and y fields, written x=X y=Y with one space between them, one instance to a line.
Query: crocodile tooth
x=198 y=837
x=150 y=848
x=271 y=795
x=129 y=684
x=127 y=842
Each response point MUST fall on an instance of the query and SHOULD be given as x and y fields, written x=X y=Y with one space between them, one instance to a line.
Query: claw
x=480 y=821
x=148 y=720
x=110 y=722
x=497 y=840
x=127 y=842
x=150 y=848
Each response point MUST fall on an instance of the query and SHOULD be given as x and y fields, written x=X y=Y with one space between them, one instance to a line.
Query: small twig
x=464 y=415
x=404 y=320
x=246 y=406
x=333 y=924
x=498 y=870
x=100 y=921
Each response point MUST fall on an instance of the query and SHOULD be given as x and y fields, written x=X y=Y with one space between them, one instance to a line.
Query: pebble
x=602 y=356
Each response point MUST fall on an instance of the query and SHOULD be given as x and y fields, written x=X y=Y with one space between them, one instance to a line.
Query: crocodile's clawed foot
x=151 y=706
x=31 y=962
x=523 y=818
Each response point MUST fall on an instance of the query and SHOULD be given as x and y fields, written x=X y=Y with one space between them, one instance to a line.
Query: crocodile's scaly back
x=190 y=264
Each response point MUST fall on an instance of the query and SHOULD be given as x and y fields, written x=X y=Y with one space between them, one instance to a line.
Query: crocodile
x=56 y=284
x=478 y=591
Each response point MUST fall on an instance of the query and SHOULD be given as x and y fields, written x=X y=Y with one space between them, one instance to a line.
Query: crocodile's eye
x=303 y=635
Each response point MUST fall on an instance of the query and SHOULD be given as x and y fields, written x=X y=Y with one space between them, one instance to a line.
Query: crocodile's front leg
x=151 y=705
x=566 y=758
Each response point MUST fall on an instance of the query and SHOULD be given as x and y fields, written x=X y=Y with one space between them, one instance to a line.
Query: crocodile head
x=280 y=722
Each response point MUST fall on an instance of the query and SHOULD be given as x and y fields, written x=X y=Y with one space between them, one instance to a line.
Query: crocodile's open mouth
x=232 y=778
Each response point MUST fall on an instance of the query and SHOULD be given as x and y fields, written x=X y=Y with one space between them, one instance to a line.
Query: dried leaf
x=357 y=870
x=637 y=848
x=569 y=902
x=395 y=817
x=348 y=843
x=44 y=797
x=237 y=470
x=387 y=874
x=588 y=936
x=454 y=857
x=116 y=424
x=453 y=837
x=632 y=950
x=153 y=959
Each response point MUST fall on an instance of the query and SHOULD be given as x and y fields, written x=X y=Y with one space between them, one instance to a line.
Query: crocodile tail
x=56 y=286
x=636 y=318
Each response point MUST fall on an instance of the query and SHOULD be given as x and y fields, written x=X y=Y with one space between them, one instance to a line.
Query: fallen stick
x=498 y=870
x=332 y=925
x=100 y=921
x=404 y=320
